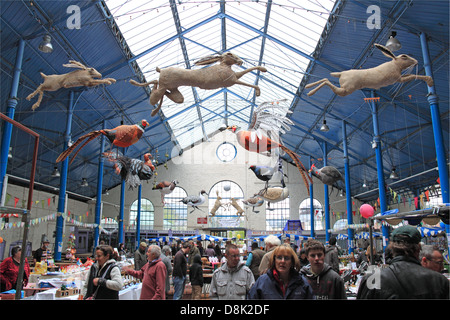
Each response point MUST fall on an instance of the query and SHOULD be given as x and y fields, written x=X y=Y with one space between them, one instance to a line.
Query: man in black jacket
x=180 y=271
x=405 y=278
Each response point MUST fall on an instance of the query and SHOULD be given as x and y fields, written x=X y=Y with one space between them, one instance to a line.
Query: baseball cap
x=408 y=234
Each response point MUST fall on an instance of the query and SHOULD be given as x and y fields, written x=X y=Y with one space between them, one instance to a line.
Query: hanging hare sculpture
x=217 y=76
x=383 y=75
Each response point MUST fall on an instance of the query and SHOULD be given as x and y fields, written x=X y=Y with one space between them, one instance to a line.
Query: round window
x=226 y=152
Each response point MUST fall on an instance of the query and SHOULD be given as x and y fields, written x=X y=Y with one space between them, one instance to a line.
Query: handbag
x=102 y=277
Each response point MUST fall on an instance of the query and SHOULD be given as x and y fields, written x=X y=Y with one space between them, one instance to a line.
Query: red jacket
x=153 y=276
x=9 y=271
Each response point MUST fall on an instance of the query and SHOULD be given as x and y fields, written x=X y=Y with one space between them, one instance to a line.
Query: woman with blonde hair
x=282 y=280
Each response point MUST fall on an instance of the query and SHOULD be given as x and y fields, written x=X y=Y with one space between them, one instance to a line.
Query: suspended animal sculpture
x=195 y=201
x=266 y=173
x=85 y=77
x=121 y=136
x=275 y=194
x=265 y=144
x=328 y=175
x=268 y=121
x=133 y=171
x=217 y=76
x=255 y=201
x=217 y=204
x=165 y=187
x=383 y=75
x=235 y=205
x=269 y=118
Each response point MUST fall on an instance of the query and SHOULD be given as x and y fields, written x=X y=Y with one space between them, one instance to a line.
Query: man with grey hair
x=233 y=280
x=271 y=243
x=152 y=274
x=166 y=259
x=431 y=258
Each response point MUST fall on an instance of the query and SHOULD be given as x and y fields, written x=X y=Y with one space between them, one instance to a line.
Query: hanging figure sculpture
x=217 y=76
x=263 y=135
x=383 y=75
x=133 y=171
x=121 y=136
x=87 y=77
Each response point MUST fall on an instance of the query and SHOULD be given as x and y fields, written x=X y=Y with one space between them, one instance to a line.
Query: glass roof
x=178 y=33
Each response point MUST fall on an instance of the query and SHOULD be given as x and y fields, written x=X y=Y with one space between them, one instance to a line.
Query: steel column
x=326 y=198
x=138 y=218
x=11 y=108
x=98 y=205
x=350 y=231
x=437 y=130
x=63 y=183
x=380 y=169
x=311 y=201
x=122 y=205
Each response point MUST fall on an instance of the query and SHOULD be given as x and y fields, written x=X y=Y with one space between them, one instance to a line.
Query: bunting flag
x=76 y=220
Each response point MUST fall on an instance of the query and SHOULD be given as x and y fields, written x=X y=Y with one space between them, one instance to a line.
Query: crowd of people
x=277 y=271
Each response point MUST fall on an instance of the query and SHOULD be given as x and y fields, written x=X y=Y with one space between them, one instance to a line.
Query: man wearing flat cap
x=405 y=278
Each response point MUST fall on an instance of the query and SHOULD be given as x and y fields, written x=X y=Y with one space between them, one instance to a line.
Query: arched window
x=226 y=216
x=175 y=211
x=305 y=214
x=277 y=214
x=147 y=214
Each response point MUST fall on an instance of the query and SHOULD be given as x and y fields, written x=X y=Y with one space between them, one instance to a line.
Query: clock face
x=226 y=152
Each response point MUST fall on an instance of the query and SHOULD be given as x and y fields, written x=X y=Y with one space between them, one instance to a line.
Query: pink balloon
x=366 y=210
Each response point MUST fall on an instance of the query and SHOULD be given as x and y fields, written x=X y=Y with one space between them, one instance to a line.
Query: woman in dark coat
x=196 y=277
x=282 y=280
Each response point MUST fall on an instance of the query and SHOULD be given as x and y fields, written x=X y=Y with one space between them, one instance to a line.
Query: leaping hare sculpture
x=217 y=76
x=87 y=77
x=374 y=78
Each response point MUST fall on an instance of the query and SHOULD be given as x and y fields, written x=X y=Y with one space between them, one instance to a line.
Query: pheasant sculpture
x=265 y=144
x=121 y=136
x=269 y=118
x=133 y=171
x=165 y=187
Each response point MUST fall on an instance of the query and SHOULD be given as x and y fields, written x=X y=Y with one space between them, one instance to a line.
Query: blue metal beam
x=263 y=44
x=437 y=130
x=326 y=197
x=121 y=63
x=138 y=218
x=287 y=46
x=176 y=19
x=380 y=169
x=63 y=183
x=351 y=236
x=98 y=205
x=11 y=109
x=311 y=201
